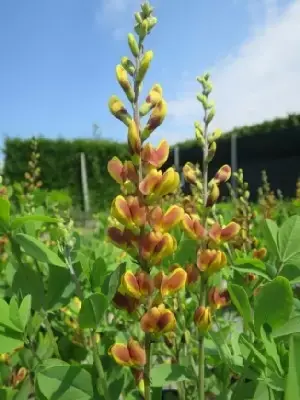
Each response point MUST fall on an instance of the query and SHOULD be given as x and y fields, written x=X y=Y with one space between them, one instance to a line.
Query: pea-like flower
x=130 y=355
x=172 y=283
x=118 y=109
x=155 y=157
x=223 y=174
x=124 y=174
x=122 y=238
x=190 y=174
x=260 y=253
x=164 y=222
x=129 y=212
x=155 y=246
x=125 y=302
x=211 y=261
x=218 y=299
x=156 y=184
x=136 y=285
x=192 y=227
x=202 y=319
x=158 y=320
x=154 y=96
x=218 y=234
x=156 y=118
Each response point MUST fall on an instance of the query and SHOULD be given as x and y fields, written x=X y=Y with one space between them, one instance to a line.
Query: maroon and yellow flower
x=125 y=302
x=218 y=299
x=223 y=175
x=164 y=222
x=172 y=283
x=118 y=109
x=193 y=273
x=122 y=238
x=202 y=319
x=158 y=320
x=124 y=174
x=155 y=157
x=154 y=97
x=155 y=246
x=211 y=261
x=157 y=184
x=134 y=141
x=193 y=228
x=218 y=234
x=129 y=212
x=260 y=253
x=156 y=118
x=130 y=355
x=189 y=172
x=136 y=285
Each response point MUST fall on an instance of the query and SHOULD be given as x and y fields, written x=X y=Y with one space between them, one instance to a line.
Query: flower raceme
x=158 y=320
x=128 y=355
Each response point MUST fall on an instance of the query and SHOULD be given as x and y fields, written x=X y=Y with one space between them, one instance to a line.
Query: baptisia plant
x=139 y=224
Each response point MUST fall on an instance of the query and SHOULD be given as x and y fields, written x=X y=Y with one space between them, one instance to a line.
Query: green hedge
x=259 y=146
x=60 y=166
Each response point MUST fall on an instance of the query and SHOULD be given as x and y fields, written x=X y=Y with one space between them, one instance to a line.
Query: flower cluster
x=245 y=217
x=139 y=223
x=210 y=237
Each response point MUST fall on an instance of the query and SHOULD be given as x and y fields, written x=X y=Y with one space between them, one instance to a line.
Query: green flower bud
x=144 y=66
x=203 y=100
x=210 y=116
x=133 y=44
x=211 y=151
x=128 y=65
x=138 y=17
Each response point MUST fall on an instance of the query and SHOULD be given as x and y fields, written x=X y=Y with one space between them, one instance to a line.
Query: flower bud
x=118 y=109
x=158 y=320
x=215 y=136
x=128 y=65
x=218 y=299
x=123 y=80
x=144 y=66
x=134 y=140
x=211 y=261
x=210 y=116
x=202 y=319
x=133 y=45
x=260 y=253
x=213 y=195
x=211 y=151
x=156 y=118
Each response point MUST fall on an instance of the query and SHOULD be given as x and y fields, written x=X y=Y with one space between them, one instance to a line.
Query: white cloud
x=260 y=82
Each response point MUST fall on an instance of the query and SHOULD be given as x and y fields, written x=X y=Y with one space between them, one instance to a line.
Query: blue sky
x=58 y=62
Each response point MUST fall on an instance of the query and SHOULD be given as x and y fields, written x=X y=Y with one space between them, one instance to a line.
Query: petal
x=188 y=226
x=116 y=235
x=230 y=230
x=213 y=195
x=218 y=263
x=202 y=318
x=148 y=243
x=165 y=247
x=138 y=212
x=260 y=253
x=120 y=354
x=172 y=217
x=115 y=169
x=189 y=173
x=174 y=282
x=224 y=174
x=169 y=182
x=155 y=217
x=124 y=302
x=160 y=154
x=130 y=172
x=166 y=322
x=121 y=211
x=150 y=181
x=192 y=274
x=130 y=285
x=215 y=232
x=199 y=229
x=159 y=278
x=204 y=258
x=137 y=353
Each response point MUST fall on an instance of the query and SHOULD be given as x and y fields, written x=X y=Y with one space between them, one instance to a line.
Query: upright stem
x=201 y=349
x=96 y=357
x=147 y=368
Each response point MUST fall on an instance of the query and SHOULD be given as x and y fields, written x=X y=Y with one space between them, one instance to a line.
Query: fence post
x=177 y=164
x=234 y=165
x=84 y=182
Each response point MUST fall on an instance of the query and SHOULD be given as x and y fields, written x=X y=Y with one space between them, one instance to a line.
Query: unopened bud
x=133 y=45
x=128 y=65
x=211 y=151
x=144 y=66
x=203 y=100
x=215 y=136
x=210 y=116
x=123 y=80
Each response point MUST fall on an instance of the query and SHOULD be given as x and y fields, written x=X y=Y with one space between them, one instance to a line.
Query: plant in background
x=266 y=197
x=211 y=258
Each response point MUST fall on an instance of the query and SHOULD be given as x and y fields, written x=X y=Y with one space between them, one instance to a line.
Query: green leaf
x=38 y=250
x=28 y=281
x=60 y=287
x=116 y=387
x=165 y=373
x=18 y=222
x=92 y=311
x=10 y=335
x=112 y=282
x=98 y=273
x=58 y=380
x=292 y=390
x=4 y=210
x=288 y=241
x=25 y=310
x=240 y=299
x=251 y=265
x=263 y=392
x=273 y=304
x=292 y=326
x=270 y=233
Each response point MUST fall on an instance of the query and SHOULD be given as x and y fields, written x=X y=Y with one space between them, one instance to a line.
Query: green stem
x=201 y=349
x=96 y=357
x=51 y=335
x=147 y=368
